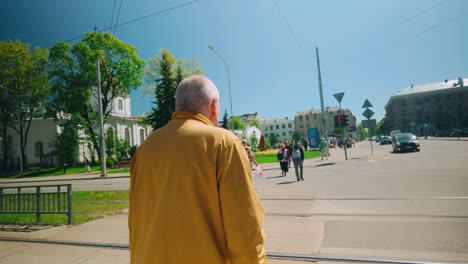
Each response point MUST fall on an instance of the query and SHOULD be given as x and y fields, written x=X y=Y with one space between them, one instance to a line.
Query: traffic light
x=339 y=120
x=346 y=121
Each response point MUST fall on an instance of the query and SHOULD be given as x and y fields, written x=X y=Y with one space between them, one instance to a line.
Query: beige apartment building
x=311 y=119
x=429 y=109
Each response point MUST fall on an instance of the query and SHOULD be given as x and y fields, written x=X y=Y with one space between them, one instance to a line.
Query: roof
x=318 y=111
x=447 y=84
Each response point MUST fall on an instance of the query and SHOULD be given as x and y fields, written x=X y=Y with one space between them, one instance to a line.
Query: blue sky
x=368 y=49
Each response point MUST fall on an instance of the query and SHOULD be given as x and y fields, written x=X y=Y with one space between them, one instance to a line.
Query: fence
x=39 y=200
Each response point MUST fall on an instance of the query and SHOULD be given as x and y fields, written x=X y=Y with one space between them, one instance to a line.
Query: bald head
x=197 y=94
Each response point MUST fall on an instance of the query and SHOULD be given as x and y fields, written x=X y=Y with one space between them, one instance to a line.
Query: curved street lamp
x=229 y=81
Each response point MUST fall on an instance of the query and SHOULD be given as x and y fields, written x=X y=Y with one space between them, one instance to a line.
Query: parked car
x=385 y=140
x=405 y=142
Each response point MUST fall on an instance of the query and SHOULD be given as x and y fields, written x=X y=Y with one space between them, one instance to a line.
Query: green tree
x=256 y=123
x=72 y=70
x=362 y=131
x=380 y=129
x=273 y=139
x=253 y=140
x=110 y=142
x=66 y=145
x=237 y=123
x=163 y=75
x=225 y=121
x=23 y=73
x=296 y=136
x=122 y=149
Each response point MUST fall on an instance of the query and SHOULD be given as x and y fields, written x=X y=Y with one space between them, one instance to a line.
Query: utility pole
x=101 y=125
x=323 y=121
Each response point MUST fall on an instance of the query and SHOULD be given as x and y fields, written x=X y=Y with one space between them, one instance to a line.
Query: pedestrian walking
x=87 y=167
x=249 y=153
x=283 y=157
x=324 y=148
x=192 y=199
x=298 y=159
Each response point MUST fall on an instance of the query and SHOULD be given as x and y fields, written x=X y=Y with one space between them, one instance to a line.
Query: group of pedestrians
x=296 y=154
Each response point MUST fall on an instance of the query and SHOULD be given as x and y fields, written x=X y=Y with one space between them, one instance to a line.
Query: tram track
x=270 y=255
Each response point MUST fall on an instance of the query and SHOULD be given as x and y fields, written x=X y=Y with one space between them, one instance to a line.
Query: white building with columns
x=42 y=134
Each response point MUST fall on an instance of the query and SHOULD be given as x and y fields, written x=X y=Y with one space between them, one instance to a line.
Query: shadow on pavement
x=274 y=177
x=325 y=164
x=289 y=182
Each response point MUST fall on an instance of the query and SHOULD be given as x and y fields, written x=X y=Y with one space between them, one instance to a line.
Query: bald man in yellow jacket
x=191 y=194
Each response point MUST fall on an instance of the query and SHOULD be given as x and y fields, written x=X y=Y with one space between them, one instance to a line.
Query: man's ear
x=214 y=107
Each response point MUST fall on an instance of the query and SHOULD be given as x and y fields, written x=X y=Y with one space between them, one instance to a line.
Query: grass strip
x=270 y=156
x=87 y=206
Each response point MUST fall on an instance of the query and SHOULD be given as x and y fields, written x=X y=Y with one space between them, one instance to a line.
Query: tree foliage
x=296 y=136
x=66 y=145
x=23 y=73
x=253 y=140
x=237 y=123
x=73 y=73
x=273 y=139
x=163 y=75
x=224 y=123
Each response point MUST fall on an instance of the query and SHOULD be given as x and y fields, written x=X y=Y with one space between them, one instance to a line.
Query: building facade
x=429 y=109
x=42 y=134
x=311 y=119
x=282 y=127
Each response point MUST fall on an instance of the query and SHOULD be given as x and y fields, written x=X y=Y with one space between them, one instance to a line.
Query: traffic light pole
x=344 y=136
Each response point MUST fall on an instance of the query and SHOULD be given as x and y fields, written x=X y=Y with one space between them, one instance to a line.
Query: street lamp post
x=229 y=82
x=19 y=125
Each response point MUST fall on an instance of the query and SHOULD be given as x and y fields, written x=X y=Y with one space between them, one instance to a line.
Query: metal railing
x=39 y=200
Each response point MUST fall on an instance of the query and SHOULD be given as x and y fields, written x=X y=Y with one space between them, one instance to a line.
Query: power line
x=405 y=39
x=394 y=25
x=292 y=32
x=129 y=22
x=118 y=15
x=113 y=11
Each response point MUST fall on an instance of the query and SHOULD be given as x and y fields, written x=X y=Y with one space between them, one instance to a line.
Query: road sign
x=368 y=113
x=371 y=123
x=367 y=104
x=339 y=96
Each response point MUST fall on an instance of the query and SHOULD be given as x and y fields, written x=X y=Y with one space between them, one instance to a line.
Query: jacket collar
x=189 y=115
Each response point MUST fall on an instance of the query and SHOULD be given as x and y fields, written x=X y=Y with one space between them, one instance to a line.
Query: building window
x=301 y=126
x=300 y=118
x=449 y=97
x=271 y=127
x=266 y=135
x=307 y=117
x=142 y=136
x=39 y=149
x=308 y=125
x=426 y=100
x=120 y=105
x=284 y=134
x=289 y=125
x=450 y=108
x=266 y=128
x=417 y=101
x=315 y=116
x=277 y=126
x=127 y=135
x=283 y=126
x=290 y=132
x=403 y=102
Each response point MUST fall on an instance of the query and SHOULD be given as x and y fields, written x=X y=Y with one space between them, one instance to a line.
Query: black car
x=385 y=140
x=405 y=142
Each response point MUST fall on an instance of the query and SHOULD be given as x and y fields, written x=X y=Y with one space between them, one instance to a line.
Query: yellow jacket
x=192 y=199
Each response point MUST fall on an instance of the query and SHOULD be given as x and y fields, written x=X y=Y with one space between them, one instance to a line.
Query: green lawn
x=87 y=206
x=46 y=172
x=271 y=158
